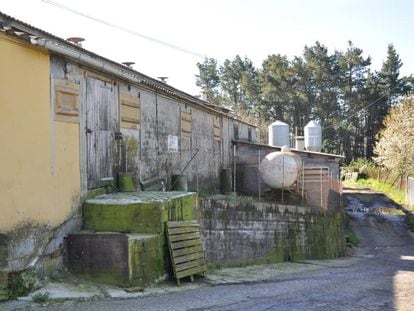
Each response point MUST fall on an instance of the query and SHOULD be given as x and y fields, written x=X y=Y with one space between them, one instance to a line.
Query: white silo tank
x=280 y=170
x=278 y=134
x=313 y=136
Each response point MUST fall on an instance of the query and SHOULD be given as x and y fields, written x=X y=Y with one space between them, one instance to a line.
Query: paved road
x=378 y=276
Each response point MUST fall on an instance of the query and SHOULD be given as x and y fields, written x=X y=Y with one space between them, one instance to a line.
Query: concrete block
x=56 y=242
x=145 y=212
x=261 y=233
x=127 y=260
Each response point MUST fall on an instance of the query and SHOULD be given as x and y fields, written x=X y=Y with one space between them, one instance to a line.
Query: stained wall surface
x=40 y=173
x=40 y=180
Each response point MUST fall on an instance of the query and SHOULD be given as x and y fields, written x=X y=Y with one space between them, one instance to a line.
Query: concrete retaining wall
x=241 y=231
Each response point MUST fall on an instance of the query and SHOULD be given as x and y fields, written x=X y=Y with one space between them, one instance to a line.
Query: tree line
x=337 y=89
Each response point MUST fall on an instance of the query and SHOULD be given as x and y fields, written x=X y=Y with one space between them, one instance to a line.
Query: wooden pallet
x=186 y=249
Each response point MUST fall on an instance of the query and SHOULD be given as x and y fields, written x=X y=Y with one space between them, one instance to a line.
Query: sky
x=222 y=29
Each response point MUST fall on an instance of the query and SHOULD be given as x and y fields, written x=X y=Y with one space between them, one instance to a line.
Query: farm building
x=76 y=127
x=73 y=122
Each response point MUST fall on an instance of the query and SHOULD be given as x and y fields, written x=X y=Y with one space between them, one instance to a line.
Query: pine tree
x=208 y=79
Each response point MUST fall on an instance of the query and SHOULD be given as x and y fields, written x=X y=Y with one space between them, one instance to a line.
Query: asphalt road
x=379 y=275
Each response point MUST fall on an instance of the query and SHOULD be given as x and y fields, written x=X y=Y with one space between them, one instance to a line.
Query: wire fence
x=201 y=169
x=317 y=183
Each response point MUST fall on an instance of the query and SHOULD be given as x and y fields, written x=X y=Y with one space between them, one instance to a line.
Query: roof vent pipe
x=204 y=95
x=163 y=79
x=76 y=40
x=128 y=64
x=300 y=143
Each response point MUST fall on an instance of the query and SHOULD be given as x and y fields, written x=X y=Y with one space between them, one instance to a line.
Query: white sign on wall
x=172 y=143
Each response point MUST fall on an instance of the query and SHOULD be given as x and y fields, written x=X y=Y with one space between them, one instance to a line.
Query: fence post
x=321 y=189
x=303 y=182
x=258 y=177
x=234 y=169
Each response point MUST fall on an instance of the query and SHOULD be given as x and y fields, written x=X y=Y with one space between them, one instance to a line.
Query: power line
x=133 y=32
x=357 y=112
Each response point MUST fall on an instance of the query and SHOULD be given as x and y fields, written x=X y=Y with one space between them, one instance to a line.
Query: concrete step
x=140 y=212
x=126 y=260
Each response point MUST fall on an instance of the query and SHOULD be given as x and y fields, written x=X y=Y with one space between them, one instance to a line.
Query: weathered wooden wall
x=204 y=138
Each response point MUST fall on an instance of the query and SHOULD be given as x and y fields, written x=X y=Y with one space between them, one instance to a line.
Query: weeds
x=351 y=237
x=41 y=297
x=410 y=222
x=395 y=194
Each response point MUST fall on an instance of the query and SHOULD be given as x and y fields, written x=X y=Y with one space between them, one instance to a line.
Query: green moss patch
x=351 y=237
x=255 y=232
x=21 y=283
x=410 y=222
x=127 y=214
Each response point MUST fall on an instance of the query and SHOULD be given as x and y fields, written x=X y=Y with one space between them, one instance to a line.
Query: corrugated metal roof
x=22 y=30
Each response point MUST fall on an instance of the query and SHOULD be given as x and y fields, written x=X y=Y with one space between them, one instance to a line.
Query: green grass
x=41 y=297
x=351 y=237
x=410 y=222
x=395 y=194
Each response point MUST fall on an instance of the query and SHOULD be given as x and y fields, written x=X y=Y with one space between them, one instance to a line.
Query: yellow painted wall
x=29 y=192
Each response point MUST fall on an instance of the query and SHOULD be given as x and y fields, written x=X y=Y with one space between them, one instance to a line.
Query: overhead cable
x=133 y=32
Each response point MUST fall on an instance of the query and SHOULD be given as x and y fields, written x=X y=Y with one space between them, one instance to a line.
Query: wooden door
x=100 y=97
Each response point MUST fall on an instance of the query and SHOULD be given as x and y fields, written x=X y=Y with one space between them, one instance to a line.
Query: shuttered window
x=217 y=128
x=66 y=101
x=130 y=111
x=186 y=124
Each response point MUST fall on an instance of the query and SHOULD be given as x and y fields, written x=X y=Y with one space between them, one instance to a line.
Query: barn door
x=100 y=97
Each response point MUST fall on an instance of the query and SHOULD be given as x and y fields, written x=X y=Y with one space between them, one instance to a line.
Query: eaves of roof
x=24 y=31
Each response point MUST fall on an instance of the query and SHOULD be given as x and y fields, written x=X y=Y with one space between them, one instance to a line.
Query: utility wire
x=357 y=112
x=133 y=32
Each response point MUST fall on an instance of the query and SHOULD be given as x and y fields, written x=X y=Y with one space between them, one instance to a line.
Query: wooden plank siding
x=217 y=128
x=100 y=138
x=130 y=111
x=186 y=251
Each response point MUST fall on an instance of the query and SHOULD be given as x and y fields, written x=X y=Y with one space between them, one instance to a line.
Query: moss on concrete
x=136 y=213
x=3 y=266
x=21 y=283
x=94 y=193
x=183 y=208
x=246 y=228
x=126 y=182
x=142 y=265
x=4 y=292
x=146 y=260
x=148 y=217
x=126 y=218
